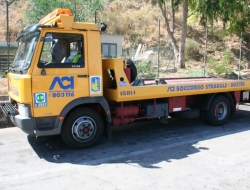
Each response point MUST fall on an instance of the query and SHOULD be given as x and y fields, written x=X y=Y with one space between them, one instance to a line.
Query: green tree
x=85 y=10
x=40 y=8
x=82 y=10
x=179 y=51
x=235 y=14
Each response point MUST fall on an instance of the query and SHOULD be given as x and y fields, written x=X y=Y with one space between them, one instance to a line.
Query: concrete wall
x=113 y=39
x=12 y=44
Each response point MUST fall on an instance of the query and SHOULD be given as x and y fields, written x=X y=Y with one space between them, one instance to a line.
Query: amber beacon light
x=54 y=16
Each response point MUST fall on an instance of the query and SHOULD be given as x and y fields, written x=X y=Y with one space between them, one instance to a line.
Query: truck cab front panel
x=20 y=87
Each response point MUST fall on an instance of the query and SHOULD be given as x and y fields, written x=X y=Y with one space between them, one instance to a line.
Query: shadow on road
x=146 y=143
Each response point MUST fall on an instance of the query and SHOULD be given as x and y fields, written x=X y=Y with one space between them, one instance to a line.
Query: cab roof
x=63 y=18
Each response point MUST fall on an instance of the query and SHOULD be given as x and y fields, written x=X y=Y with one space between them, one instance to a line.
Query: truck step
x=8 y=109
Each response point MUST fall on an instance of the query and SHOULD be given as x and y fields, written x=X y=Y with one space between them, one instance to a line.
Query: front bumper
x=27 y=124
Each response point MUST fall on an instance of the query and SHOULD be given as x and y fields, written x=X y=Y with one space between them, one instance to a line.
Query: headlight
x=23 y=110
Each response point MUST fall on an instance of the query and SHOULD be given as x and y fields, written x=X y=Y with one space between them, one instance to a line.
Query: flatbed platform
x=142 y=89
x=184 y=80
x=162 y=88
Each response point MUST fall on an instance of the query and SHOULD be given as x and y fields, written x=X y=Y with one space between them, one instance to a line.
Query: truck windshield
x=25 y=52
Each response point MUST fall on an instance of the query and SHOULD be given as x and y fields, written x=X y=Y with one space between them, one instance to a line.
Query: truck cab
x=58 y=66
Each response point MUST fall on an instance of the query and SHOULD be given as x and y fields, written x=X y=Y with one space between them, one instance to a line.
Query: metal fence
x=7 y=54
x=8 y=47
x=152 y=62
x=160 y=61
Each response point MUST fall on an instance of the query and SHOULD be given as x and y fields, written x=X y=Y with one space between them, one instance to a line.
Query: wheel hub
x=83 y=129
x=221 y=111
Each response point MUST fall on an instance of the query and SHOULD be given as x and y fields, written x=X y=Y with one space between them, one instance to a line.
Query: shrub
x=192 y=50
x=192 y=19
x=144 y=69
x=222 y=66
x=219 y=34
x=195 y=72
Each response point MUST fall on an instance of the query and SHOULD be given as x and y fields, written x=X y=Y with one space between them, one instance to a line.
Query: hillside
x=138 y=20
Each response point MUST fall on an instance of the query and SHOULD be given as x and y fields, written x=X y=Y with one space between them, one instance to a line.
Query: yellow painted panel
x=181 y=89
x=85 y=25
x=20 y=87
x=95 y=63
x=57 y=91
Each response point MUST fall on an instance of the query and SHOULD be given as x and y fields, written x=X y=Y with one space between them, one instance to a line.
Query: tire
x=83 y=128
x=203 y=116
x=219 y=111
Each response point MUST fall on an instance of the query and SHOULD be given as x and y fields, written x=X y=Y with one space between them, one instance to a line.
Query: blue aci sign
x=59 y=81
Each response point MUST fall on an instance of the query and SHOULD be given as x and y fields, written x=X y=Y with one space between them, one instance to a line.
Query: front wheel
x=219 y=111
x=83 y=128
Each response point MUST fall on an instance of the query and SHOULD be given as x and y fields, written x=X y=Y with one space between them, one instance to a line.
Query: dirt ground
x=3 y=86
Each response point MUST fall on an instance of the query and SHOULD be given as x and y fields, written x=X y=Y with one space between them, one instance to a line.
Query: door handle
x=83 y=76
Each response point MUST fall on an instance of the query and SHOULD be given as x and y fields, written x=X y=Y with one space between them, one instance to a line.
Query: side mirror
x=43 y=72
x=103 y=27
x=44 y=64
x=48 y=39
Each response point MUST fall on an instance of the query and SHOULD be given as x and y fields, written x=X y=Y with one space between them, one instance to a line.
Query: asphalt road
x=186 y=154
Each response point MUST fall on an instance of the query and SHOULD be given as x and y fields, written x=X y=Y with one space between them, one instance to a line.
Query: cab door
x=56 y=78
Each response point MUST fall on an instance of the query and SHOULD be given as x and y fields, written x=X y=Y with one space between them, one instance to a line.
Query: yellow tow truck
x=59 y=84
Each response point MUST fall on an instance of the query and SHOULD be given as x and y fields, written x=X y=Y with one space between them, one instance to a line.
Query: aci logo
x=95 y=83
x=60 y=81
x=171 y=89
x=40 y=99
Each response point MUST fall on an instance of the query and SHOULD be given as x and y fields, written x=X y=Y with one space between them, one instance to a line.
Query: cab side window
x=62 y=51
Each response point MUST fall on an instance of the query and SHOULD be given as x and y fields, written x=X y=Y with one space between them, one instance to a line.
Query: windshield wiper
x=15 y=70
x=13 y=67
x=20 y=71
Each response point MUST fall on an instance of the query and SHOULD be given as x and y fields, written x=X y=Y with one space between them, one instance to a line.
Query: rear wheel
x=219 y=111
x=83 y=128
x=203 y=116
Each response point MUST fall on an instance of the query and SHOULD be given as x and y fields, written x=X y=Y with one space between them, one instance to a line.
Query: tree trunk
x=183 y=33
x=10 y=2
x=171 y=35
x=173 y=15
